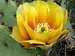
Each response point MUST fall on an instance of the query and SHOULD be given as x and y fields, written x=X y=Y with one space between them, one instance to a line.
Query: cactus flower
x=39 y=24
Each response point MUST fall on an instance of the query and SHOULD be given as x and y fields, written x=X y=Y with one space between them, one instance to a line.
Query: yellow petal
x=59 y=36
x=20 y=22
x=50 y=43
x=32 y=43
x=29 y=13
x=56 y=15
x=42 y=10
x=16 y=35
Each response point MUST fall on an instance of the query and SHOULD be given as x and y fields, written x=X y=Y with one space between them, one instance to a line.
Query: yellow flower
x=39 y=24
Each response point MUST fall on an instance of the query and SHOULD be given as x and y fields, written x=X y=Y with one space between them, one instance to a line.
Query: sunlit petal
x=56 y=15
x=20 y=22
x=42 y=10
x=32 y=43
x=16 y=35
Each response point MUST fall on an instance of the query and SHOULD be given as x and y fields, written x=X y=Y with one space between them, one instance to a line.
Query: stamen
x=42 y=27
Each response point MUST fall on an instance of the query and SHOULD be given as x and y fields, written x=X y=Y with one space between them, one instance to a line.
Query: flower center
x=42 y=27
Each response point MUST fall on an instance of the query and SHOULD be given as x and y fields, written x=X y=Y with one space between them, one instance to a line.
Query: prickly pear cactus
x=9 y=47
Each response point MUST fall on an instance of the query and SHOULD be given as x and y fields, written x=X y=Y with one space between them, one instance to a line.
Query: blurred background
x=9 y=47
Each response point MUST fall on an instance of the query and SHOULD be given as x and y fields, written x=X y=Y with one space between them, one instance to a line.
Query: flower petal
x=42 y=10
x=16 y=35
x=53 y=40
x=32 y=43
x=20 y=22
x=29 y=14
x=50 y=43
x=56 y=15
